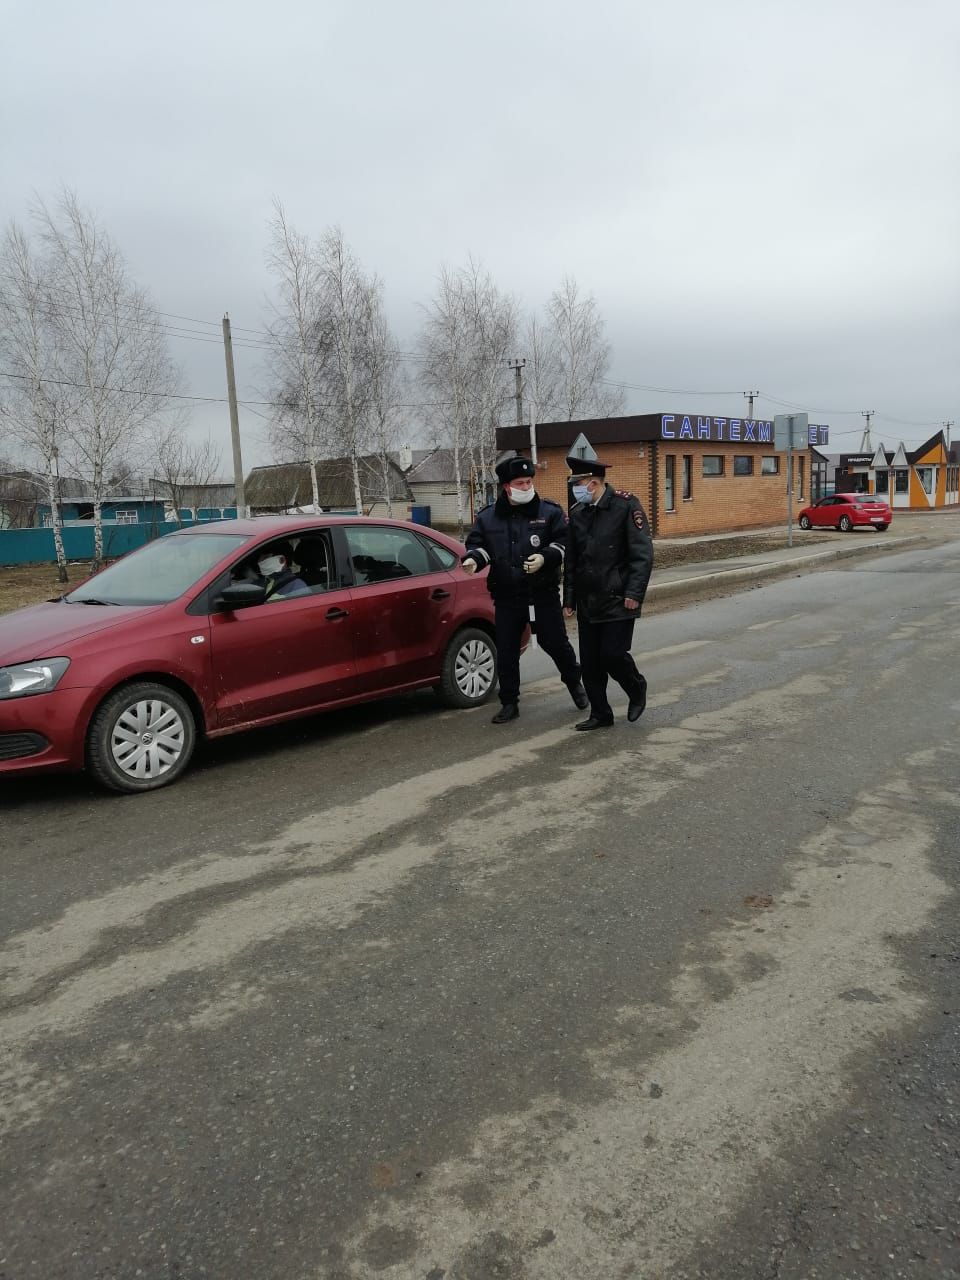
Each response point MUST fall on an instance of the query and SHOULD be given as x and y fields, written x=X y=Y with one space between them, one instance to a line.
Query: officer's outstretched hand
x=533 y=564
x=469 y=566
x=567 y=611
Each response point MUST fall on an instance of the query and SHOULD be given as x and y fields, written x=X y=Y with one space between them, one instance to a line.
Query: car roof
x=278 y=525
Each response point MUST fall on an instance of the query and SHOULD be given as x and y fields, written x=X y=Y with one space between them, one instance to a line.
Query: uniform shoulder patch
x=623 y=493
x=639 y=517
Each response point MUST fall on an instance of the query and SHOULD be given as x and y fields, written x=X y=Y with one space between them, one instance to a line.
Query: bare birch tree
x=183 y=466
x=542 y=372
x=300 y=350
x=386 y=383
x=110 y=350
x=468 y=336
x=32 y=404
x=582 y=354
x=347 y=316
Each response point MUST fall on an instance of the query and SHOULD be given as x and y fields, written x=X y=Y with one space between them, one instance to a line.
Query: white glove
x=469 y=566
x=533 y=564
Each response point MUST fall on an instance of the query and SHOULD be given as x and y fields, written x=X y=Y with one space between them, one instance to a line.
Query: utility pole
x=234 y=421
x=749 y=397
x=946 y=432
x=865 y=443
x=517 y=366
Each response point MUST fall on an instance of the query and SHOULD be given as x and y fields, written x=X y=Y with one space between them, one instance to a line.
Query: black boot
x=638 y=702
x=579 y=695
x=509 y=711
x=593 y=723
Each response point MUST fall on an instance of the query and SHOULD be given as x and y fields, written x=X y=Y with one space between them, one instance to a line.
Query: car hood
x=48 y=630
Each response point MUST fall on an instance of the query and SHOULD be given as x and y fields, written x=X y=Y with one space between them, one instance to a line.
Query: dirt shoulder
x=667 y=555
x=25 y=584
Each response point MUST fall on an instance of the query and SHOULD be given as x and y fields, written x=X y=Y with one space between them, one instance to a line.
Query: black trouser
x=605 y=652
x=511 y=618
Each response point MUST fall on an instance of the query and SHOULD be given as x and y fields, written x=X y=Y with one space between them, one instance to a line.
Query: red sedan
x=189 y=637
x=846 y=511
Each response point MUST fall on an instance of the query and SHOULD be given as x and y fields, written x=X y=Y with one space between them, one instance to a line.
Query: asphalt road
x=399 y=993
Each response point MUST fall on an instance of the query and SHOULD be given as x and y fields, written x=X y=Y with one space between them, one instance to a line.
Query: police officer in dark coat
x=608 y=564
x=522 y=537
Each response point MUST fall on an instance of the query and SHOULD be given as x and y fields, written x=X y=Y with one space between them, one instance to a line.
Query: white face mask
x=583 y=494
x=519 y=496
x=269 y=565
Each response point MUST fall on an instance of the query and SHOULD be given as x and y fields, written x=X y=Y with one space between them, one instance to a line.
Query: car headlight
x=24 y=678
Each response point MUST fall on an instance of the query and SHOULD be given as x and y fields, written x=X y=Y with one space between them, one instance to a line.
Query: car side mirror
x=241 y=595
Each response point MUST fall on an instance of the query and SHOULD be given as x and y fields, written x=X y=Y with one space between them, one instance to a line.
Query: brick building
x=694 y=473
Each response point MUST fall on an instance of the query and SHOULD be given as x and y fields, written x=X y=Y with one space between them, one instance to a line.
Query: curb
x=773 y=568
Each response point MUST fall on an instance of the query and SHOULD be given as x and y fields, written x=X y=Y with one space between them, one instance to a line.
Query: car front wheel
x=804 y=522
x=845 y=525
x=141 y=737
x=469 y=674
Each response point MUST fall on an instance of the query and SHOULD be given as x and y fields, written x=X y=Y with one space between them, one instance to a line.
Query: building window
x=743 y=464
x=770 y=466
x=883 y=482
x=925 y=476
x=799 y=477
x=687 y=476
x=126 y=517
x=669 y=498
x=713 y=464
x=902 y=481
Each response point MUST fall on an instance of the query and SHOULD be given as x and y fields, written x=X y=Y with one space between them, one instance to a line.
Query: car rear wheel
x=845 y=525
x=804 y=522
x=141 y=738
x=469 y=674
x=880 y=527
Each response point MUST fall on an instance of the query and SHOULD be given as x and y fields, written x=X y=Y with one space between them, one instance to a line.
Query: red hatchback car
x=181 y=639
x=846 y=511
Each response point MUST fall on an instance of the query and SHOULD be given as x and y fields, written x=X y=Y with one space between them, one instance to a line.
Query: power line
x=176 y=395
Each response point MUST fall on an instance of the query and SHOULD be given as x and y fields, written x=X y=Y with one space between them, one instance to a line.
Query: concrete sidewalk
x=709 y=574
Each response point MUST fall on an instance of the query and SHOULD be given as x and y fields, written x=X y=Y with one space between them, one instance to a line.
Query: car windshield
x=160 y=572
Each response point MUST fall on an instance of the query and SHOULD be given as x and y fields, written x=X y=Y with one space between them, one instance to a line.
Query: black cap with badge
x=584 y=467
x=515 y=469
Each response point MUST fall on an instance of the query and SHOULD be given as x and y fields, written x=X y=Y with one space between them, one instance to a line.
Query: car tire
x=845 y=525
x=881 y=528
x=804 y=522
x=468 y=677
x=141 y=737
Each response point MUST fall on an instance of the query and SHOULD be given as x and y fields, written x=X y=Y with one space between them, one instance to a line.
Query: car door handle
x=439 y=594
x=335 y=613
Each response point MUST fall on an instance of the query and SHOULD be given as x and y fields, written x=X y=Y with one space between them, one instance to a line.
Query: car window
x=445 y=558
x=313 y=561
x=159 y=572
x=379 y=554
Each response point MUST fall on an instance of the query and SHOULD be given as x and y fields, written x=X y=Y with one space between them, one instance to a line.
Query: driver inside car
x=273 y=570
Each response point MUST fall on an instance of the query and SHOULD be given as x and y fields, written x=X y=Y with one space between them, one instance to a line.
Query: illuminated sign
x=718 y=430
x=729 y=430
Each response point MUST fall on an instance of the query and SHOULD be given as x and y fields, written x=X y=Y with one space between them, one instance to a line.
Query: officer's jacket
x=609 y=556
x=505 y=535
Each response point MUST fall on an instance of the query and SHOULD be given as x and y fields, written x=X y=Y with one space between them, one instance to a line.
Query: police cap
x=515 y=469
x=584 y=467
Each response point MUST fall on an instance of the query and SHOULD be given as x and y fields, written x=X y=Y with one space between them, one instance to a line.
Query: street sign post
x=790 y=431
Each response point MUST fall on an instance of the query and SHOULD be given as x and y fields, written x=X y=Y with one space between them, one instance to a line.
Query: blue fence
x=36 y=546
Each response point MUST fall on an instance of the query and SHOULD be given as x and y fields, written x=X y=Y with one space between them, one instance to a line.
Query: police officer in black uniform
x=608 y=564
x=522 y=538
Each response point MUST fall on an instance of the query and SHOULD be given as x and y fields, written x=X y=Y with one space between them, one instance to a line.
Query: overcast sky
x=761 y=195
